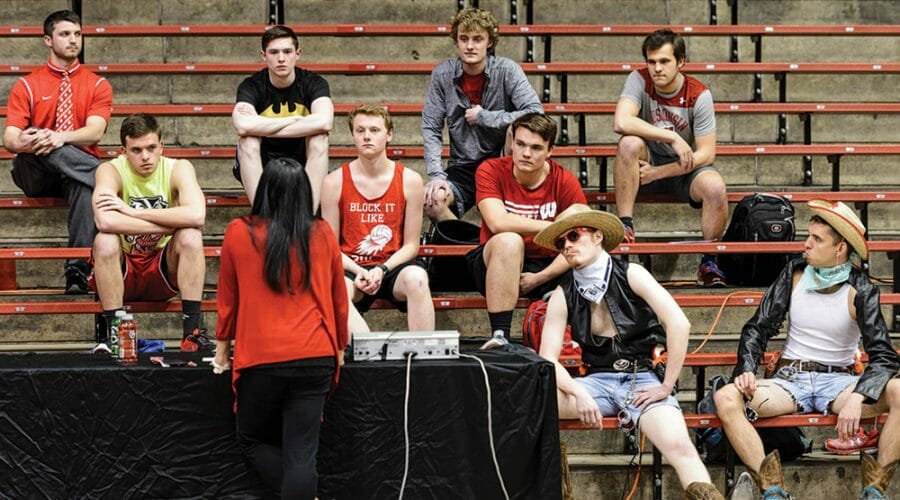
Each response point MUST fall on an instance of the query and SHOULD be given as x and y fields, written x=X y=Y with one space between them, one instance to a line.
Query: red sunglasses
x=572 y=235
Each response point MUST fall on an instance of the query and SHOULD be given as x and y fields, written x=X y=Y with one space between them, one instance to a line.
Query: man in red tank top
x=374 y=206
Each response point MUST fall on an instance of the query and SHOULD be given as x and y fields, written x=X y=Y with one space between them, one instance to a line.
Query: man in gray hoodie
x=478 y=95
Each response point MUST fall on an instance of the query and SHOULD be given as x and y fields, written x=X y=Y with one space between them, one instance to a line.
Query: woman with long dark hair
x=281 y=298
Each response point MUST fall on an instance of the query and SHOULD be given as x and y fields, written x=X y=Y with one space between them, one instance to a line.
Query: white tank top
x=821 y=328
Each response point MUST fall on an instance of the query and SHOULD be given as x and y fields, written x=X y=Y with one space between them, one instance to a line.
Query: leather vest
x=638 y=329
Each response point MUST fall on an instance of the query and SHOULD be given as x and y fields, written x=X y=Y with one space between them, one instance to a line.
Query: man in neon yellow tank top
x=149 y=210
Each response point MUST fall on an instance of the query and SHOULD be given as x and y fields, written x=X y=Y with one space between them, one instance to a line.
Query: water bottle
x=127 y=340
x=114 y=334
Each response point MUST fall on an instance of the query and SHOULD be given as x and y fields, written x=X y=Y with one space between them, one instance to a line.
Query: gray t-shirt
x=688 y=111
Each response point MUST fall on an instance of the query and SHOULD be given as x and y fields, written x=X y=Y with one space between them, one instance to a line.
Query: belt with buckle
x=622 y=365
x=812 y=366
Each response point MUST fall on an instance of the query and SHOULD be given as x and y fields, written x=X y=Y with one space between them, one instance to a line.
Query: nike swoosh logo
x=46 y=97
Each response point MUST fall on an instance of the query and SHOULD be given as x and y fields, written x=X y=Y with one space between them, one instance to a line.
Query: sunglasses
x=572 y=235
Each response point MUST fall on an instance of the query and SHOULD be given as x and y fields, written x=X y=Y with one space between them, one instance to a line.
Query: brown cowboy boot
x=702 y=491
x=770 y=478
x=875 y=478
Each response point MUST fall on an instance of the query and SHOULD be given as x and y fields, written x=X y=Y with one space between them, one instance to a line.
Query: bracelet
x=385 y=269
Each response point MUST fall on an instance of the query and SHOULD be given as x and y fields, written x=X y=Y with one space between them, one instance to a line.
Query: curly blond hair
x=476 y=20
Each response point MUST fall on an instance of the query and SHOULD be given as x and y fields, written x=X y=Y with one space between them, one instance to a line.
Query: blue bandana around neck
x=592 y=280
x=820 y=278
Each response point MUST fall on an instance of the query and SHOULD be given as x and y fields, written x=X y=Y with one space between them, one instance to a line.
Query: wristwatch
x=383 y=268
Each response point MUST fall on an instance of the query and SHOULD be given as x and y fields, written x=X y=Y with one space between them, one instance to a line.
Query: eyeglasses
x=573 y=235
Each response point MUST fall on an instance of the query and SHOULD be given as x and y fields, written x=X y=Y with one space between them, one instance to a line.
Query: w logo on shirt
x=548 y=210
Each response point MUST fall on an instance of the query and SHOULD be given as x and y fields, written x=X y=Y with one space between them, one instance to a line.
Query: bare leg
x=665 y=427
x=503 y=255
x=107 y=253
x=355 y=321
x=769 y=400
x=709 y=187
x=411 y=286
x=251 y=164
x=627 y=173
x=185 y=260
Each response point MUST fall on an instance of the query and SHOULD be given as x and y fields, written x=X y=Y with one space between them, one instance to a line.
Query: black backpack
x=790 y=442
x=758 y=217
x=451 y=274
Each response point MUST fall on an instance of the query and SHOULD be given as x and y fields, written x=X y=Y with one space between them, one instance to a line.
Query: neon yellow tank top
x=153 y=191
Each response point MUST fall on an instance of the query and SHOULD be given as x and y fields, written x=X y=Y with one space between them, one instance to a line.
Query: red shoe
x=861 y=441
x=197 y=342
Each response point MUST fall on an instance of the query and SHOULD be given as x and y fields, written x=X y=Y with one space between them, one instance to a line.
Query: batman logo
x=279 y=110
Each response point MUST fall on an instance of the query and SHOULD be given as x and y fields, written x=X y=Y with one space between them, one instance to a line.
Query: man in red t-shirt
x=517 y=197
x=55 y=117
x=374 y=206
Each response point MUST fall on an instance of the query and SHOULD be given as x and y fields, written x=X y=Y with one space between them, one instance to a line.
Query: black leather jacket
x=883 y=359
x=638 y=329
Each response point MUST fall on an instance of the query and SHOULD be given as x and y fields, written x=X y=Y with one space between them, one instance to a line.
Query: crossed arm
x=113 y=215
x=43 y=141
x=247 y=122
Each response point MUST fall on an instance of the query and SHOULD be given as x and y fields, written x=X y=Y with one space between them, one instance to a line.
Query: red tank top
x=372 y=229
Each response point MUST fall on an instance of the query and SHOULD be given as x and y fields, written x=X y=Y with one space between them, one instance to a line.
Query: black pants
x=279 y=412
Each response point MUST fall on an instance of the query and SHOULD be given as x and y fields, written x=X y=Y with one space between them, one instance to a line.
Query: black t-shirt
x=272 y=102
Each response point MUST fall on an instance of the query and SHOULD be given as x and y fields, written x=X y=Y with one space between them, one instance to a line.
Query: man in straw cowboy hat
x=619 y=314
x=831 y=305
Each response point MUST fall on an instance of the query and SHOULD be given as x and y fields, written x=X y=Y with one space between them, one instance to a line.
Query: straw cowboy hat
x=579 y=215
x=844 y=220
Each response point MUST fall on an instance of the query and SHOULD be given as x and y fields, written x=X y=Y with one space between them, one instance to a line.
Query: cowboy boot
x=875 y=478
x=770 y=480
x=745 y=488
x=702 y=491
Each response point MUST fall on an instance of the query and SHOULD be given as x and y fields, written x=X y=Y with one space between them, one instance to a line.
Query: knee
x=249 y=145
x=728 y=400
x=630 y=147
x=107 y=246
x=188 y=240
x=892 y=392
x=714 y=191
x=505 y=246
x=414 y=280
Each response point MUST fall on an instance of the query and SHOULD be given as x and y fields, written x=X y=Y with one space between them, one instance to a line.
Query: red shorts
x=145 y=278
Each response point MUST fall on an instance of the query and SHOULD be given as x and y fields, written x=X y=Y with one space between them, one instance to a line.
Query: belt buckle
x=621 y=365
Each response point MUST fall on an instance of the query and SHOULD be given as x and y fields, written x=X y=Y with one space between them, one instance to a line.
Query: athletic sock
x=190 y=317
x=709 y=258
x=501 y=321
x=627 y=221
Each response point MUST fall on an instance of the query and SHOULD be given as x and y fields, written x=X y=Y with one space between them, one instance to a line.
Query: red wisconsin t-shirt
x=494 y=179
x=371 y=228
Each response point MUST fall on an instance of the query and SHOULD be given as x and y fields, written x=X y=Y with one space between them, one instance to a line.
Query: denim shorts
x=813 y=391
x=611 y=389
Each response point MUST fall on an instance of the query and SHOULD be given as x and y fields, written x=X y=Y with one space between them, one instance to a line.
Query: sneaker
x=76 y=281
x=861 y=441
x=629 y=235
x=709 y=275
x=498 y=340
x=776 y=493
x=101 y=348
x=197 y=342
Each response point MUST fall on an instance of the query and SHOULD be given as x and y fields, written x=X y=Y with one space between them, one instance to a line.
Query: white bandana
x=592 y=280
